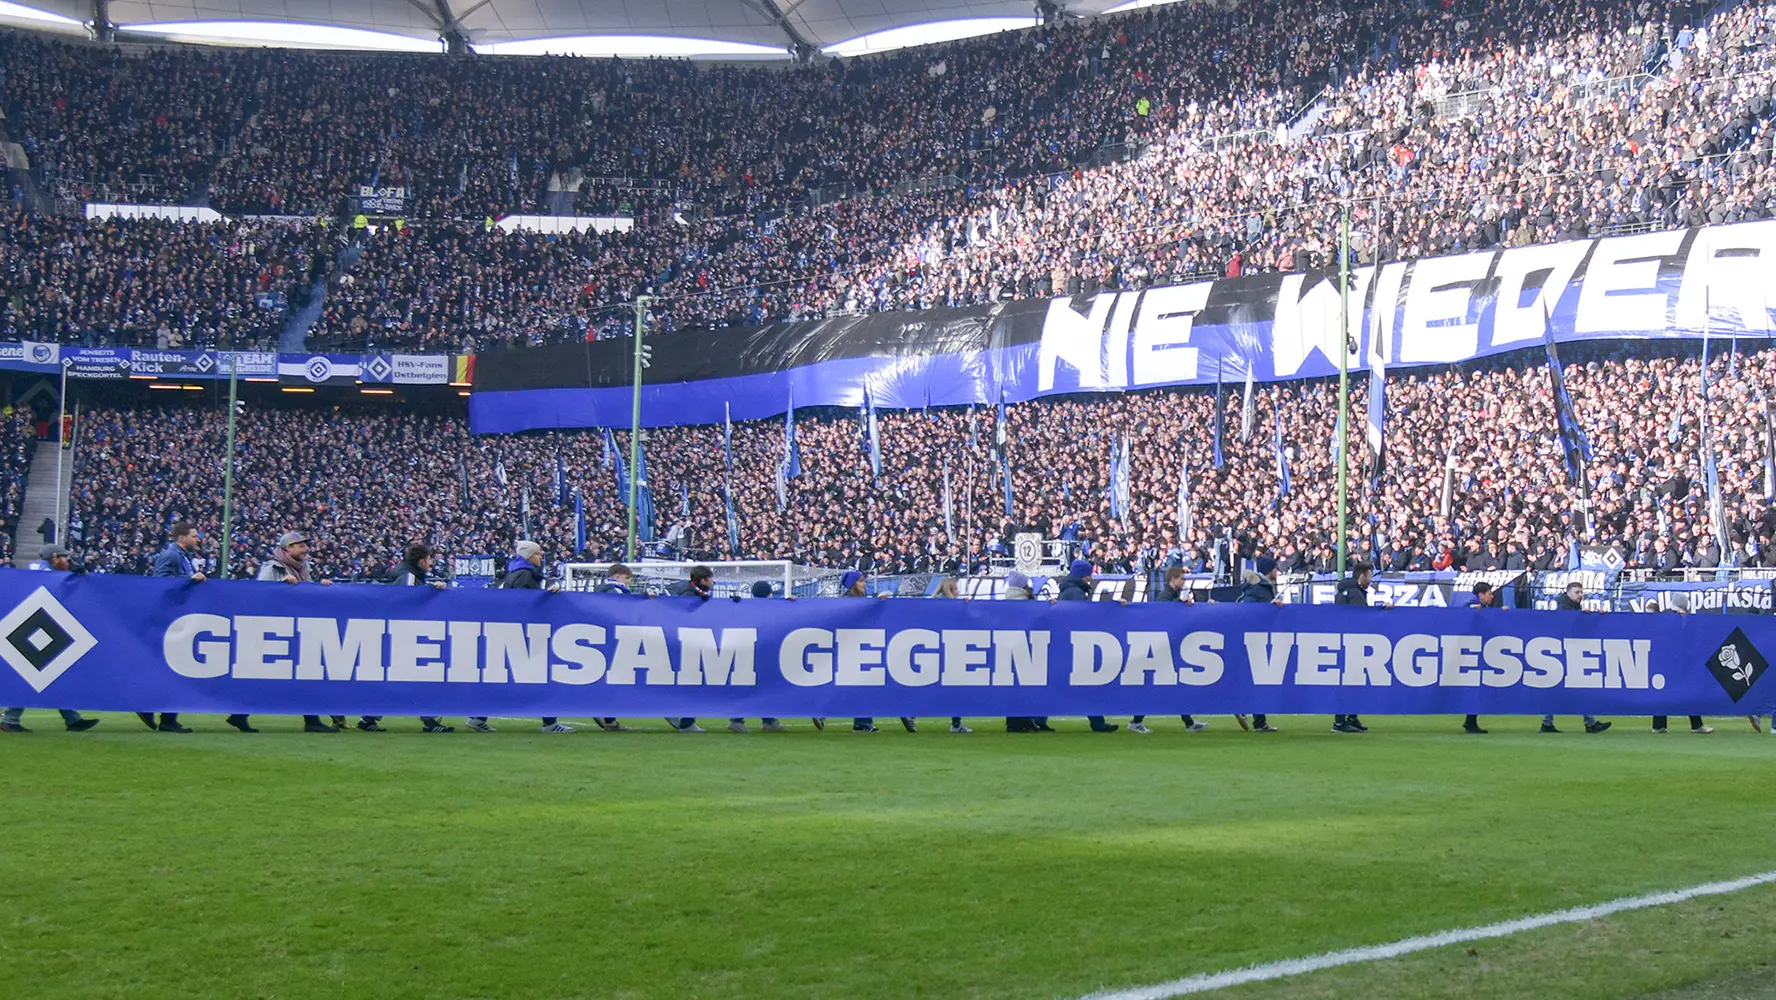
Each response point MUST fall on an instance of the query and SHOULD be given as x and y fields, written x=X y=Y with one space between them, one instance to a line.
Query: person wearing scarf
x=289 y=563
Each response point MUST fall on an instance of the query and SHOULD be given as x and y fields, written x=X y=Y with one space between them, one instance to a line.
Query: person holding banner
x=1018 y=588
x=855 y=584
x=1260 y=588
x=946 y=589
x=1573 y=600
x=1697 y=726
x=1173 y=591
x=524 y=572
x=1485 y=596
x=700 y=583
x=762 y=590
x=174 y=563
x=1353 y=591
x=414 y=571
x=617 y=581
x=53 y=558
x=289 y=563
x=1077 y=586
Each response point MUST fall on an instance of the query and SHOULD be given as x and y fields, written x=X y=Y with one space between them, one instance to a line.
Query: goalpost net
x=732 y=579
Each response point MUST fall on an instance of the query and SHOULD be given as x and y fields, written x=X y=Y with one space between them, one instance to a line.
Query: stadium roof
x=492 y=25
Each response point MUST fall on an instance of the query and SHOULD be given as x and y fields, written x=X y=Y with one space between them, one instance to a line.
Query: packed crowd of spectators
x=18 y=443
x=152 y=283
x=369 y=481
x=290 y=132
x=1455 y=125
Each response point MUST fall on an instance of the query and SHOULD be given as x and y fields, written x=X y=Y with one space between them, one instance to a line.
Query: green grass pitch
x=838 y=865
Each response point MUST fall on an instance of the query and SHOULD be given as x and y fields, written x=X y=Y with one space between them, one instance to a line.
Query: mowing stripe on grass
x=1352 y=956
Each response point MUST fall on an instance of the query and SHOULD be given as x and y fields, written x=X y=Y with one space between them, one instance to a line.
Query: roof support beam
x=800 y=47
x=455 y=42
x=102 y=28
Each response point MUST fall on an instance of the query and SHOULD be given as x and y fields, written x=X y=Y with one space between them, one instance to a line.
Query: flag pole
x=1344 y=235
x=228 y=467
x=62 y=445
x=641 y=304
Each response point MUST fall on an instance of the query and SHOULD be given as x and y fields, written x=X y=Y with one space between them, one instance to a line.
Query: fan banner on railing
x=136 y=644
x=1433 y=311
x=297 y=369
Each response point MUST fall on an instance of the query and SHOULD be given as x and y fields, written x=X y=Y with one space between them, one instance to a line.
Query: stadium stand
x=1456 y=130
x=368 y=481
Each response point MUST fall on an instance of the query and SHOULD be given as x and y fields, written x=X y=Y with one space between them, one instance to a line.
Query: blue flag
x=560 y=482
x=791 y=465
x=467 y=499
x=999 y=442
x=727 y=442
x=949 y=503
x=1573 y=445
x=610 y=448
x=1282 y=458
x=871 y=441
x=579 y=522
x=622 y=469
x=1219 y=461
x=1717 y=514
x=1376 y=431
x=644 y=502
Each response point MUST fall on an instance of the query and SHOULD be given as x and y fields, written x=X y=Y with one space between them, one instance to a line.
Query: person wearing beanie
x=1077 y=586
x=524 y=572
x=1260 y=588
x=855 y=584
x=1172 y=592
x=617 y=580
x=415 y=570
x=289 y=562
x=761 y=589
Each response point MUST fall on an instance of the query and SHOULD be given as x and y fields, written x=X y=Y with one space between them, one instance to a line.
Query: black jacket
x=1258 y=591
x=521 y=575
x=1074 y=588
x=1565 y=603
x=1351 y=592
x=1167 y=592
x=408 y=575
x=683 y=588
x=607 y=587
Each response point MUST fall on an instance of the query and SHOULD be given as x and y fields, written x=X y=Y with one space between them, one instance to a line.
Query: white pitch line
x=1352 y=956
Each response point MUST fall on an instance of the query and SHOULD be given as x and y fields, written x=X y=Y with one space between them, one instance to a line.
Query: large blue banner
x=1432 y=311
x=134 y=644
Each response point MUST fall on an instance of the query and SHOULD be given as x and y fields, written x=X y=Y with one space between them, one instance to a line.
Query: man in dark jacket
x=618 y=580
x=1353 y=591
x=1077 y=586
x=174 y=563
x=855 y=584
x=699 y=584
x=414 y=571
x=1573 y=599
x=524 y=572
x=1171 y=592
x=737 y=724
x=1260 y=588
x=1485 y=596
